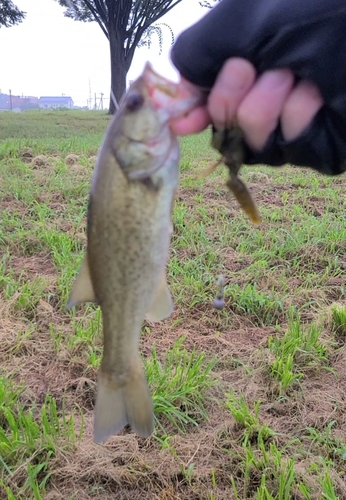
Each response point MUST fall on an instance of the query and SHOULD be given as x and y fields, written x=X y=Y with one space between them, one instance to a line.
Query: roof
x=55 y=99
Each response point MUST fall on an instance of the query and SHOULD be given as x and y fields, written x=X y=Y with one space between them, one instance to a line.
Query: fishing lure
x=229 y=142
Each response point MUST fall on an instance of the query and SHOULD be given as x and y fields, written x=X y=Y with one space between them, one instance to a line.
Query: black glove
x=306 y=36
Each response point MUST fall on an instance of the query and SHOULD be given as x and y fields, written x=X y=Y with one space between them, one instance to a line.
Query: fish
x=229 y=142
x=129 y=227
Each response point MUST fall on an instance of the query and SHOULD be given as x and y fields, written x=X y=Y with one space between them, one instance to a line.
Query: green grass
x=296 y=353
x=249 y=400
x=30 y=438
x=339 y=322
x=180 y=386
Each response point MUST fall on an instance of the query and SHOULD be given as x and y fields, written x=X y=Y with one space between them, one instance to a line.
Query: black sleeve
x=307 y=36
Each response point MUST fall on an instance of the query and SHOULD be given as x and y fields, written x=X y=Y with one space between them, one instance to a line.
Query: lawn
x=250 y=401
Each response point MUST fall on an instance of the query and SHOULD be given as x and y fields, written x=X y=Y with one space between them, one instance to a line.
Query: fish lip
x=181 y=98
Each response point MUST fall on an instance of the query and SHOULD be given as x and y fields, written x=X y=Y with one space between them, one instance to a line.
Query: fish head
x=151 y=102
x=140 y=136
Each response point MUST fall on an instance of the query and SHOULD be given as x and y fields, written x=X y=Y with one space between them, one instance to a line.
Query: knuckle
x=252 y=118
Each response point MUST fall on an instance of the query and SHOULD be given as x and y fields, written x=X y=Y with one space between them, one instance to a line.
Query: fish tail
x=120 y=404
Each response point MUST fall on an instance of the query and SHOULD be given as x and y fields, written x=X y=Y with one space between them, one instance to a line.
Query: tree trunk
x=118 y=69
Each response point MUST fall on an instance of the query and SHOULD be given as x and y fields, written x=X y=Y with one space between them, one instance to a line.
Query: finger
x=259 y=112
x=196 y=121
x=299 y=109
x=234 y=81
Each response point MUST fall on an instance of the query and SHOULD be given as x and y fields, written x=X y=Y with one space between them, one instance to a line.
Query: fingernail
x=274 y=79
x=237 y=75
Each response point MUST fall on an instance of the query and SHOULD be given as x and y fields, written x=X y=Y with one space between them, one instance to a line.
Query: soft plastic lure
x=229 y=143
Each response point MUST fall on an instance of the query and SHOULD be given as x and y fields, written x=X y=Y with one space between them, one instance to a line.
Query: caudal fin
x=118 y=405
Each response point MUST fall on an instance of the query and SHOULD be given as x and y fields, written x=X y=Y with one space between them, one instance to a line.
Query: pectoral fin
x=162 y=304
x=82 y=290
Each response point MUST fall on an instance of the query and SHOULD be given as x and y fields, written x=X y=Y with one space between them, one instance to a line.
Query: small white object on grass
x=219 y=302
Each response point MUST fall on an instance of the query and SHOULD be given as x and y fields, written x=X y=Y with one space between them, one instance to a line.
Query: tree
x=155 y=29
x=125 y=23
x=208 y=3
x=10 y=14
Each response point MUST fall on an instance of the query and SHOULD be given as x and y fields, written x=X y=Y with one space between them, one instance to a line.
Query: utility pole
x=101 y=101
x=95 y=105
x=90 y=100
x=10 y=99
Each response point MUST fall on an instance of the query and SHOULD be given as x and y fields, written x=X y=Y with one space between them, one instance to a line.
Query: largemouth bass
x=128 y=231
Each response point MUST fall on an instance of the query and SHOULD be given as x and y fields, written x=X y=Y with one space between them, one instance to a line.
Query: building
x=4 y=101
x=55 y=102
x=22 y=103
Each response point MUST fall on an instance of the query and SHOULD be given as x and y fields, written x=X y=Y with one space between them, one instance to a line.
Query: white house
x=55 y=102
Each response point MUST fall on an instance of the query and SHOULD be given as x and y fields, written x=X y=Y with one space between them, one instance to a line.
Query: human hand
x=257 y=104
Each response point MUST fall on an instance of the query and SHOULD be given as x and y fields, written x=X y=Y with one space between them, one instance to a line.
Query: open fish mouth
x=157 y=165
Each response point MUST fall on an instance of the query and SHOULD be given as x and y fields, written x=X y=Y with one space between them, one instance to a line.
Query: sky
x=50 y=55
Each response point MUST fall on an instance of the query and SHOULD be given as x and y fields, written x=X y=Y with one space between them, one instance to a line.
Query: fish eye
x=134 y=102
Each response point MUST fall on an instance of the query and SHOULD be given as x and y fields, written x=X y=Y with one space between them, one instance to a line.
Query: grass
x=249 y=400
x=31 y=437
x=180 y=387
x=297 y=353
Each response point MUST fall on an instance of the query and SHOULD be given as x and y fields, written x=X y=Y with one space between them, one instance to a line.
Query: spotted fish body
x=129 y=230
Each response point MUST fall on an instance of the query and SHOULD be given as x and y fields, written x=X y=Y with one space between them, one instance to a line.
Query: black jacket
x=307 y=36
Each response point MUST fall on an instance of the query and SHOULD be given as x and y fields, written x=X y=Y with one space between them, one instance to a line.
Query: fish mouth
x=140 y=175
x=176 y=99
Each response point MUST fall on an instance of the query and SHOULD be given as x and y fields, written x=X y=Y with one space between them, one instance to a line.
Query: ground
x=250 y=401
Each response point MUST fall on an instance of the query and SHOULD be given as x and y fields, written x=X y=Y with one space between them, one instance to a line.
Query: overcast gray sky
x=49 y=54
